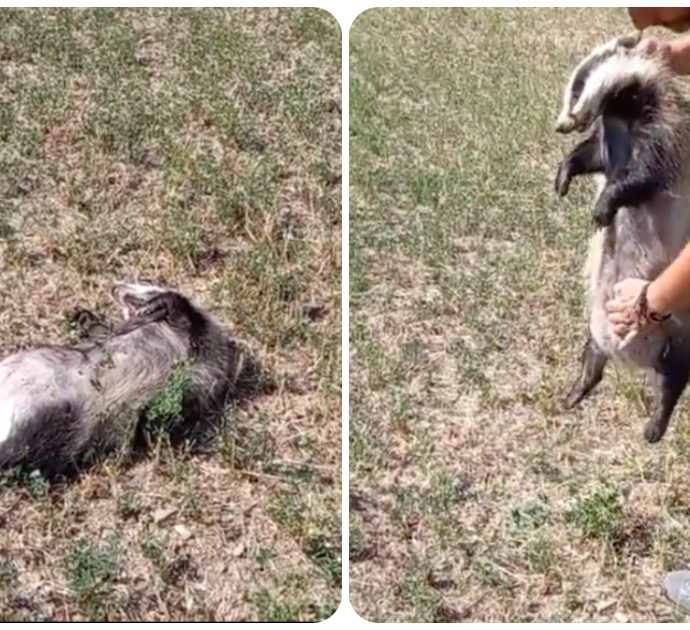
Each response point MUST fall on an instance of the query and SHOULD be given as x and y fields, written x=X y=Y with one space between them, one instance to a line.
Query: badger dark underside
x=624 y=148
x=670 y=377
x=60 y=440
x=52 y=442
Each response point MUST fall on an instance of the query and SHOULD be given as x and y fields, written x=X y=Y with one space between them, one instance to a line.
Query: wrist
x=656 y=306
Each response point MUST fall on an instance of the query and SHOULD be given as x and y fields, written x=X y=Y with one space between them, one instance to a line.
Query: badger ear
x=616 y=143
x=629 y=41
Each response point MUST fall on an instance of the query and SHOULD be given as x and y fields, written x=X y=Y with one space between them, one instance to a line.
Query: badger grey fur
x=642 y=146
x=638 y=127
x=58 y=404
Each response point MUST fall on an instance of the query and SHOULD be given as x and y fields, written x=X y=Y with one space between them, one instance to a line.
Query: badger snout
x=565 y=124
x=569 y=123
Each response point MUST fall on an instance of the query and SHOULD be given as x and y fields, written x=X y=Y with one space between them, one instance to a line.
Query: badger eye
x=133 y=302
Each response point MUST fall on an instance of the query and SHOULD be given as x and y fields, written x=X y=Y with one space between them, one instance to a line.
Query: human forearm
x=675 y=18
x=670 y=292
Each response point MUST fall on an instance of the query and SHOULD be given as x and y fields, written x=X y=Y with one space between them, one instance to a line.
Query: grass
x=600 y=515
x=472 y=496
x=200 y=149
x=91 y=572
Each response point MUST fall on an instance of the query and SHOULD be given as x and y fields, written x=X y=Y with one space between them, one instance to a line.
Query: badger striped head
x=133 y=297
x=616 y=69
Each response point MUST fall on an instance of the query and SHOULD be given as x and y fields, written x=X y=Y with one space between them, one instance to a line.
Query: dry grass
x=199 y=148
x=473 y=497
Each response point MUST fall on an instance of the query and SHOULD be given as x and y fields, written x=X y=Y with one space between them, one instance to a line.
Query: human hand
x=675 y=18
x=654 y=45
x=623 y=309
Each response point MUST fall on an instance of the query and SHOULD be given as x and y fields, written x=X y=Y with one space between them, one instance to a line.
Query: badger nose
x=565 y=124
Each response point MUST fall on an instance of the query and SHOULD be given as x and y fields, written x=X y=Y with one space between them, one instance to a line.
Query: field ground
x=472 y=497
x=199 y=148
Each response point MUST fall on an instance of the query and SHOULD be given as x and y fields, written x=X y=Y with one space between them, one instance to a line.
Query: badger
x=637 y=145
x=59 y=405
x=637 y=122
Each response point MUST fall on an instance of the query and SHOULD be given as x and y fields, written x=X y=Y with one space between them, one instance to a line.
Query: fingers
x=622 y=312
x=649 y=45
x=628 y=338
x=625 y=332
x=620 y=330
x=654 y=46
x=621 y=317
x=618 y=307
x=613 y=306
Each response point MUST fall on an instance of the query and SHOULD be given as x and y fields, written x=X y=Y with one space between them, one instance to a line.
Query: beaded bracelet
x=642 y=313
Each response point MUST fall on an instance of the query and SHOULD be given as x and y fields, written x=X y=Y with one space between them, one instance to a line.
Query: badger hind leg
x=593 y=361
x=671 y=377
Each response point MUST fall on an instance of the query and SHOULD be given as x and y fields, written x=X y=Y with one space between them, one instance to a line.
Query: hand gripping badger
x=58 y=403
x=638 y=145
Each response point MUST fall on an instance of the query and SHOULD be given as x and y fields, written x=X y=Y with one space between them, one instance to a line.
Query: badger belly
x=638 y=249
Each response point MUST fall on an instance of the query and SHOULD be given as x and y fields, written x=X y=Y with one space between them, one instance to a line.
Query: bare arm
x=670 y=292
x=675 y=18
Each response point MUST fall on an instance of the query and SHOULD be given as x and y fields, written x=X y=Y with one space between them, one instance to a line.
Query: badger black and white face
x=133 y=297
x=637 y=122
x=608 y=70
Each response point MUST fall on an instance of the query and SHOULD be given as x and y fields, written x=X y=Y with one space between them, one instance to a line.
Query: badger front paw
x=85 y=323
x=563 y=177
x=604 y=213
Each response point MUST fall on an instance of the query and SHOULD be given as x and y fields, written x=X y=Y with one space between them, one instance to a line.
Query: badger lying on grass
x=59 y=405
x=639 y=145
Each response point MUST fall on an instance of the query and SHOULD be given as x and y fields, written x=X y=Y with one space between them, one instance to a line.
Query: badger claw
x=653 y=432
x=563 y=177
x=603 y=214
x=571 y=399
x=602 y=219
